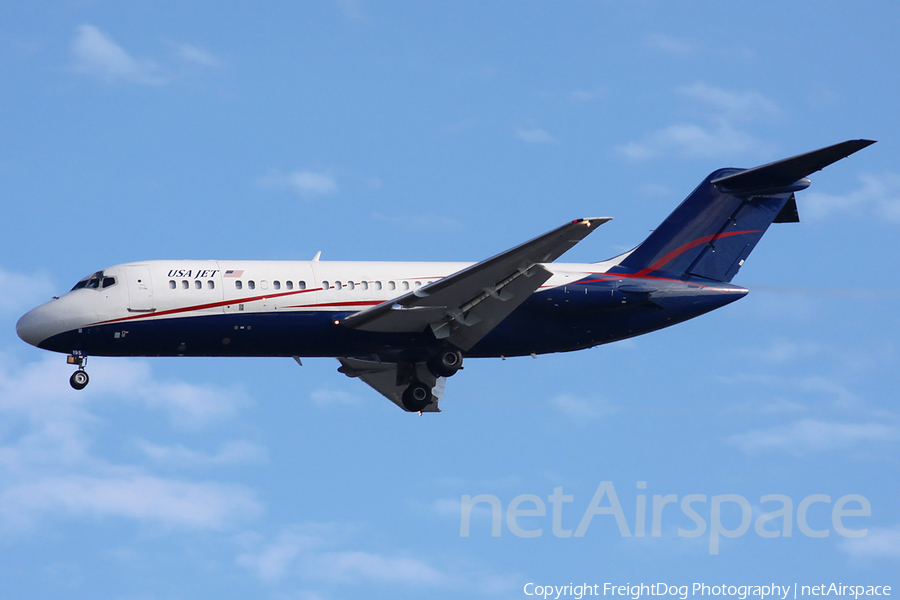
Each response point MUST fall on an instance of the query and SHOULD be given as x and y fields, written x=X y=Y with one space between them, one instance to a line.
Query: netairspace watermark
x=741 y=592
x=811 y=514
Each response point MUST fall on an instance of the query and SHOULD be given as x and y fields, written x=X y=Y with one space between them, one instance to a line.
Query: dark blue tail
x=713 y=231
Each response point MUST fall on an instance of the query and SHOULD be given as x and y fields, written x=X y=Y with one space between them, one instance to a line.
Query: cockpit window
x=108 y=282
x=93 y=281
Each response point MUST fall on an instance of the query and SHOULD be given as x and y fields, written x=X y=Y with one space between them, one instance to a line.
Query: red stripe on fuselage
x=206 y=306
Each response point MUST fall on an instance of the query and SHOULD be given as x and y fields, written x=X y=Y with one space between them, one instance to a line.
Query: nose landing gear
x=79 y=378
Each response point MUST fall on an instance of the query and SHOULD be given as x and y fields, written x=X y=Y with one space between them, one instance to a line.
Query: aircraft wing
x=384 y=377
x=463 y=307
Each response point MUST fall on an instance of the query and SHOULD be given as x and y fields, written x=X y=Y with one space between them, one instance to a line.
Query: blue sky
x=426 y=131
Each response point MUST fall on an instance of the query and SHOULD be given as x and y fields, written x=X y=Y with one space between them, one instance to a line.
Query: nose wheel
x=79 y=378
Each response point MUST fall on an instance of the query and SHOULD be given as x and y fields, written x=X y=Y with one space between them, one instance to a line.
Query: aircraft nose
x=33 y=326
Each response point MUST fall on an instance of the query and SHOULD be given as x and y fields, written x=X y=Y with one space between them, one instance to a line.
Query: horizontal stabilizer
x=781 y=175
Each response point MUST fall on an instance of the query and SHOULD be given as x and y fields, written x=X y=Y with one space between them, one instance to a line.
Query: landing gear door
x=140 y=292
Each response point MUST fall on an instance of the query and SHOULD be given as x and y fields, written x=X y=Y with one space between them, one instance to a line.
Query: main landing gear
x=79 y=378
x=417 y=396
x=445 y=363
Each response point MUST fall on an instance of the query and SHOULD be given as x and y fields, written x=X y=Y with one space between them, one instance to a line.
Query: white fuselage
x=176 y=289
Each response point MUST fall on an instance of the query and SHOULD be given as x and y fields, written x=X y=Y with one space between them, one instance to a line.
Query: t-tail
x=713 y=231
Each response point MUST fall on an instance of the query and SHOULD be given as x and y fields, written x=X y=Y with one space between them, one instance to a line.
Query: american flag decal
x=230 y=273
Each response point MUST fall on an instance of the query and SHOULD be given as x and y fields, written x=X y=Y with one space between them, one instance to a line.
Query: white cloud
x=305 y=183
x=19 y=292
x=654 y=190
x=535 y=136
x=230 y=453
x=717 y=136
x=271 y=562
x=187 y=404
x=451 y=507
x=877 y=193
x=350 y=9
x=843 y=396
x=775 y=406
x=168 y=502
x=881 y=542
x=197 y=56
x=49 y=464
x=356 y=565
x=811 y=435
x=669 y=45
x=304 y=550
x=783 y=351
x=312 y=552
x=97 y=54
x=324 y=397
x=823 y=392
x=36 y=400
x=689 y=140
x=308 y=551
x=580 y=408
x=582 y=96
x=731 y=105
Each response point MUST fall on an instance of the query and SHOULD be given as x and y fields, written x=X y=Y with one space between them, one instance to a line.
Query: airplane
x=405 y=327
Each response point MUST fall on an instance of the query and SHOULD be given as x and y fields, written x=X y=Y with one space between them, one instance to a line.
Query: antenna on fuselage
x=317 y=256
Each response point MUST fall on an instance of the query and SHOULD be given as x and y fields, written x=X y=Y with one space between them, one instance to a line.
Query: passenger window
x=325 y=285
x=392 y=285
x=237 y=284
x=263 y=285
x=364 y=285
x=351 y=285
x=184 y=284
x=418 y=284
x=172 y=284
x=301 y=285
x=251 y=284
x=211 y=284
x=276 y=285
x=405 y=285
x=377 y=285
x=289 y=285
x=198 y=284
x=337 y=285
